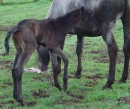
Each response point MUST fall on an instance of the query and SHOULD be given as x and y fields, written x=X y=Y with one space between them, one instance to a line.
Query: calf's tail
x=8 y=35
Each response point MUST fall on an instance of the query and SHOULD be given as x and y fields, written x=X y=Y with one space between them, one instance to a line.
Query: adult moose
x=106 y=13
x=49 y=33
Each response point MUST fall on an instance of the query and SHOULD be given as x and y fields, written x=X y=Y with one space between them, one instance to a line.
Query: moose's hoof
x=15 y=96
x=77 y=76
x=23 y=103
x=20 y=100
x=59 y=87
x=65 y=87
x=122 y=80
x=106 y=86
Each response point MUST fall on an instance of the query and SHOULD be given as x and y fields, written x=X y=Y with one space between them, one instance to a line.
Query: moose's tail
x=128 y=11
x=8 y=35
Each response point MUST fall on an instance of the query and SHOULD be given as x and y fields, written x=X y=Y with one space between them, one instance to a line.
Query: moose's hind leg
x=79 y=55
x=126 y=49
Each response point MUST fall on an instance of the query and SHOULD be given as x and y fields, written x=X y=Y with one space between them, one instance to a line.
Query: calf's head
x=88 y=22
x=43 y=58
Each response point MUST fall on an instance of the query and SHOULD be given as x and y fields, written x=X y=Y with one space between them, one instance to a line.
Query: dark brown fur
x=49 y=33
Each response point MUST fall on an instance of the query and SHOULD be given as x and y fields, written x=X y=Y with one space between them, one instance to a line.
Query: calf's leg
x=19 y=69
x=14 y=75
x=60 y=54
x=59 y=60
x=55 y=67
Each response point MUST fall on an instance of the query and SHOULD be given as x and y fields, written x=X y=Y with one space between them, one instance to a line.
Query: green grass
x=83 y=93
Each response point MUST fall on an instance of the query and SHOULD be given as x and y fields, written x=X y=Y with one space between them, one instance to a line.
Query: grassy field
x=38 y=89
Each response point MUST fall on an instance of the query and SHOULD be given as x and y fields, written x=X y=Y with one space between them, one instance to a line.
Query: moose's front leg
x=108 y=36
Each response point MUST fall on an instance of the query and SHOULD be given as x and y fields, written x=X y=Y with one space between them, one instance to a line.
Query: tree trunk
x=1 y=2
x=19 y=1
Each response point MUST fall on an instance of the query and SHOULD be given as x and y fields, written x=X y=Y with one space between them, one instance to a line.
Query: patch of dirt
x=40 y=94
x=95 y=52
x=69 y=76
x=6 y=64
x=4 y=96
x=48 y=77
x=38 y=78
x=90 y=84
x=30 y=104
x=95 y=77
x=100 y=60
x=123 y=100
x=6 y=84
x=67 y=102
x=105 y=58
x=2 y=104
x=75 y=96
x=9 y=83
x=120 y=59
x=89 y=43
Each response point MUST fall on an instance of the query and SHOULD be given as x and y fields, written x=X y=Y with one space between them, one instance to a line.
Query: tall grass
x=38 y=89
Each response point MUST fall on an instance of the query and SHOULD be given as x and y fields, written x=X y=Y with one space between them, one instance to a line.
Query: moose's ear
x=75 y=7
x=82 y=9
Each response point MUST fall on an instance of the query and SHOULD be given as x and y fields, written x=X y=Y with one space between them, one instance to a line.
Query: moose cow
x=105 y=13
